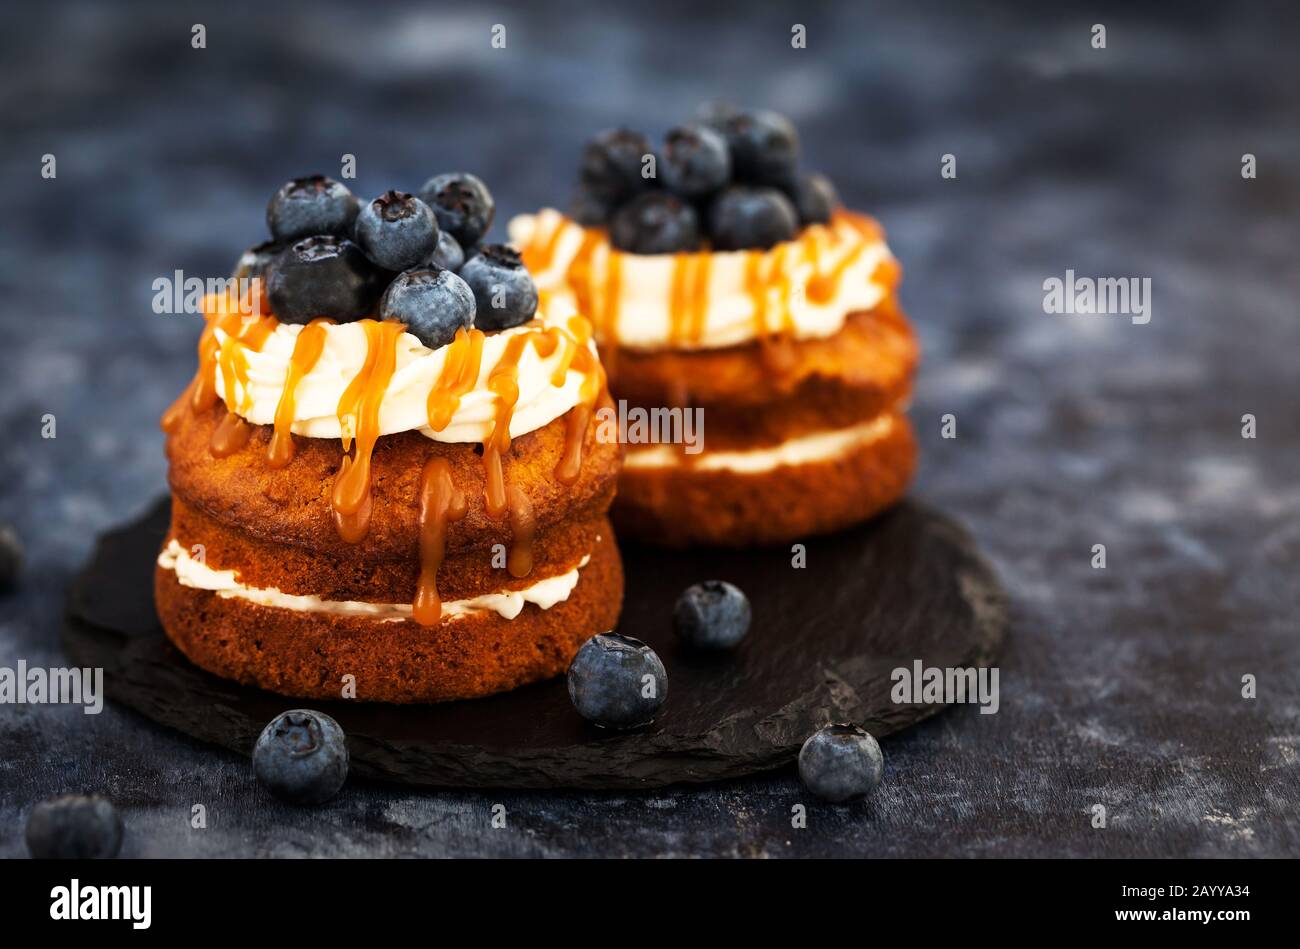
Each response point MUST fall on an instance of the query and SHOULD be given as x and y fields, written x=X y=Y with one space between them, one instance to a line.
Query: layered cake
x=724 y=283
x=385 y=480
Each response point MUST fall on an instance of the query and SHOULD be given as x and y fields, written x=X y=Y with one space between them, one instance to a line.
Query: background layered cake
x=384 y=468
x=723 y=281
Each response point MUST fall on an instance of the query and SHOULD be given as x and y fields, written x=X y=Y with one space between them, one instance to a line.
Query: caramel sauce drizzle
x=523 y=525
x=440 y=503
x=307 y=349
x=459 y=373
x=358 y=412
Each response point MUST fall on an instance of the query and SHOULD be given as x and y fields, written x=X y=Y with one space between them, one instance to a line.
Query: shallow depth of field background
x=1119 y=686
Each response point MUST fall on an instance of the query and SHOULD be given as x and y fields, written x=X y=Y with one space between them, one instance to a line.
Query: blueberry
x=588 y=209
x=743 y=217
x=323 y=276
x=716 y=113
x=764 y=147
x=712 y=615
x=612 y=164
x=503 y=290
x=74 y=827
x=814 y=198
x=617 y=681
x=432 y=302
x=302 y=757
x=311 y=205
x=255 y=261
x=397 y=230
x=462 y=203
x=841 y=761
x=655 y=223
x=448 y=255
x=695 y=162
x=11 y=558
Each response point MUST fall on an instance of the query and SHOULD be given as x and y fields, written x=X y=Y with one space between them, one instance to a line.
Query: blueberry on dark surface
x=617 y=681
x=814 y=199
x=11 y=558
x=462 y=203
x=301 y=757
x=612 y=163
x=255 y=261
x=764 y=148
x=743 y=217
x=712 y=615
x=323 y=276
x=588 y=209
x=448 y=255
x=397 y=230
x=432 y=302
x=841 y=761
x=503 y=289
x=74 y=827
x=312 y=205
x=695 y=162
x=655 y=223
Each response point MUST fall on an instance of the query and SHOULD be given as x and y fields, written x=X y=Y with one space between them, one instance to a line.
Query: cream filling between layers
x=645 y=284
x=191 y=573
x=803 y=450
x=405 y=403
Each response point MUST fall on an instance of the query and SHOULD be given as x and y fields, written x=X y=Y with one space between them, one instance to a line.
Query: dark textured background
x=1119 y=687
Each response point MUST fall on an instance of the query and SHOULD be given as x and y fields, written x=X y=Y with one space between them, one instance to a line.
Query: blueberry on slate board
x=841 y=761
x=617 y=681
x=462 y=203
x=302 y=757
x=323 y=276
x=742 y=217
x=696 y=161
x=655 y=223
x=712 y=615
x=814 y=198
x=11 y=558
x=612 y=163
x=74 y=827
x=448 y=255
x=312 y=205
x=764 y=147
x=397 y=230
x=503 y=289
x=433 y=303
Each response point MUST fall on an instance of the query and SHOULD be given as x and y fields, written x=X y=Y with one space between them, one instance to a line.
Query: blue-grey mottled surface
x=1120 y=687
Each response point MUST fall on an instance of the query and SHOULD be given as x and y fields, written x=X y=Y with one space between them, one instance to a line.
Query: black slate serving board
x=824 y=641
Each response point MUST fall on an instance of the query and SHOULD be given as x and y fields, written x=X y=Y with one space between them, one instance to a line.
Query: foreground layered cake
x=355 y=509
x=790 y=349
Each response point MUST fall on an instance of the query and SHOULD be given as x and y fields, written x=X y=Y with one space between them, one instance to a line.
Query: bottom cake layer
x=308 y=653
x=813 y=484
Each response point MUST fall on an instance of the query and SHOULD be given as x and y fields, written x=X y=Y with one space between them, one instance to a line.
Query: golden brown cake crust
x=761 y=394
x=681 y=506
x=291 y=505
x=307 y=654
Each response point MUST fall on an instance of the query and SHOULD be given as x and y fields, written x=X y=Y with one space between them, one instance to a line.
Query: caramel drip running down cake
x=386 y=483
x=732 y=286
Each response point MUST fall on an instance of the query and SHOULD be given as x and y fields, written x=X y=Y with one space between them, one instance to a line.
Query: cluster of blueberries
x=731 y=178
x=419 y=260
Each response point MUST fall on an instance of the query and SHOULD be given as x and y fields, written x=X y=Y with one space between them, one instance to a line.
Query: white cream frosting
x=803 y=450
x=404 y=405
x=645 y=285
x=193 y=573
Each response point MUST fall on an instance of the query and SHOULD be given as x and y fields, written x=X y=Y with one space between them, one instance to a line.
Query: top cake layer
x=803 y=289
x=253 y=372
